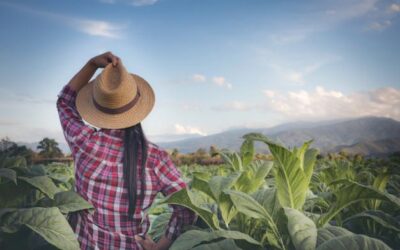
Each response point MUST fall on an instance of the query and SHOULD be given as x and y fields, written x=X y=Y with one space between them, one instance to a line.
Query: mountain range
x=366 y=135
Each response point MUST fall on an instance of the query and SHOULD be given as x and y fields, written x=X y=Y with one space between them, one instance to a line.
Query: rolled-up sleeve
x=171 y=182
x=76 y=132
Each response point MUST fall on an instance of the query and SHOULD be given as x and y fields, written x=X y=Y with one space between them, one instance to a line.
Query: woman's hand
x=147 y=243
x=102 y=60
x=86 y=73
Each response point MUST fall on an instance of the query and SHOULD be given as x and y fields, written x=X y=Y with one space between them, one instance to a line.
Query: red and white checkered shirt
x=99 y=179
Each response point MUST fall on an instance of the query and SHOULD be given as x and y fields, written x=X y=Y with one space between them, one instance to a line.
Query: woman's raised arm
x=86 y=73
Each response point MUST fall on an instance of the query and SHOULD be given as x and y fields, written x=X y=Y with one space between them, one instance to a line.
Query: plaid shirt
x=99 y=179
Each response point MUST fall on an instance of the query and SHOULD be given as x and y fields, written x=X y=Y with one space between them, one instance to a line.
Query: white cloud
x=87 y=26
x=291 y=35
x=298 y=76
x=349 y=9
x=295 y=77
x=108 y=1
x=221 y=81
x=234 y=106
x=199 y=78
x=131 y=2
x=181 y=129
x=216 y=80
x=322 y=103
x=395 y=7
x=192 y=107
x=327 y=15
x=269 y=93
x=143 y=2
x=97 y=28
x=9 y=96
x=379 y=26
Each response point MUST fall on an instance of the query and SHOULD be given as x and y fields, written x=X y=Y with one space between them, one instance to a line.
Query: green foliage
x=287 y=201
x=354 y=242
x=353 y=192
x=293 y=170
x=332 y=237
x=284 y=211
x=247 y=152
x=195 y=238
x=47 y=222
x=33 y=205
x=159 y=225
x=11 y=149
x=302 y=229
x=186 y=198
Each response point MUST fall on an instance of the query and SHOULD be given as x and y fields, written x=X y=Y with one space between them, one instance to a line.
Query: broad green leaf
x=220 y=183
x=12 y=162
x=47 y=222
x=193 y=238
x=202 y=175
x=15 y=196
x=302 y=229
x=3 y=215
x=43 y=183
x=269 y=200
x=253 y=178
x=385 y=220
x=232 y=159
x=247 y=205
x=227 y=244
x=228 y=210
x=159 y=225
x=247 y=152
x=67 y=202
x=291 y=179
x=214 y=188
x=352 y=192
x=36 y=170
x=202 y=185
x=184 y=198
x=353 y=242
x=330 y=232
x=299 y=153
x=9 y=174
x=310 y=158
x=380 y=183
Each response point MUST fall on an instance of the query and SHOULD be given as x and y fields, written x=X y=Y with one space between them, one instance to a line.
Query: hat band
x=119 y=110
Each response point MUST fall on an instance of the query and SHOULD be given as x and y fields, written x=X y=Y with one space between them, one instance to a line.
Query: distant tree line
x=47 y=149
x=203 y=157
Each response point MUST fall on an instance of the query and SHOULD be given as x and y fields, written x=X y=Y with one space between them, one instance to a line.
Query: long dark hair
x=135 y=143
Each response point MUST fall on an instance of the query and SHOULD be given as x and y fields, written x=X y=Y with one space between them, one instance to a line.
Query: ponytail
x=134 y=143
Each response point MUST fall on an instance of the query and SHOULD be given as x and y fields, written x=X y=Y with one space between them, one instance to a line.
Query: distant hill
x=373 y=148
x=328 y=136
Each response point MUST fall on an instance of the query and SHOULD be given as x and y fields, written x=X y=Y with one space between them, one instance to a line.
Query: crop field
x=296 y=200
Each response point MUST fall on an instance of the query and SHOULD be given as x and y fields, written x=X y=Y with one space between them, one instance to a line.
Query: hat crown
x=114 y=87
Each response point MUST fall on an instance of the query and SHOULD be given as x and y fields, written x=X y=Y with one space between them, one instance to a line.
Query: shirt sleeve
x=171 y=182
x=76 y=132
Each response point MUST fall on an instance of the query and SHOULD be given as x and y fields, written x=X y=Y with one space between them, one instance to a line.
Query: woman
x=116 y=169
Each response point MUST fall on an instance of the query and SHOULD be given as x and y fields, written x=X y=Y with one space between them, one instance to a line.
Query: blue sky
x=214 y=65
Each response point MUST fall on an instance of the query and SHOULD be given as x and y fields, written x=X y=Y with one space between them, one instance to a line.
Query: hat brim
x=87 y=110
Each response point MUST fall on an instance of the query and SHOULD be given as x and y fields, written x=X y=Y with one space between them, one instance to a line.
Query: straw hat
x=115 y=99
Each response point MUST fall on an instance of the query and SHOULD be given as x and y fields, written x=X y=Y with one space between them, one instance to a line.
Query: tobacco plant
x=282 y=204
x=34 y=204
